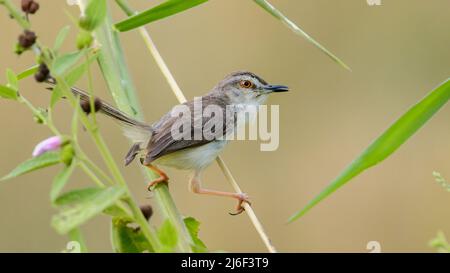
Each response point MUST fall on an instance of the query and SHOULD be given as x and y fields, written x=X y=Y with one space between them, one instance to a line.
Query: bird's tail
x=137 y=131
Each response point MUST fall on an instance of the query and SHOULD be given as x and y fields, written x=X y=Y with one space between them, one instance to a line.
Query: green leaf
x=168 y=236
x=291 y=25
x=60 y=38
x=13 y=82
x=8 y=93
x=161 y=11
x=94 y=15
x=36 y=163
x=127 y=238
x=74 y=216
x=388 y=142
x=27 y=73
x=61 y=180
x=71 y=78
x=66 y=61
x=193 y=227
x=79 y=196
x=117 y=210
x=440 y=243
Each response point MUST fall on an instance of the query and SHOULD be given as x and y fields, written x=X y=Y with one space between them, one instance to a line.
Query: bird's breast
x=195 y=158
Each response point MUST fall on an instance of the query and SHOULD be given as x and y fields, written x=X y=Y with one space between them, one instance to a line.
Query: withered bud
x=30 y=6
x=86 y=105
x=42 y=73
x=34 y=7
x=27 y=39
x=147 y=210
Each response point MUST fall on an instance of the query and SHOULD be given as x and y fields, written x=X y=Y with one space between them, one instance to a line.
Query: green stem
x=114 y=68
x=16 y=14
x=91 y=174
x=147 y=230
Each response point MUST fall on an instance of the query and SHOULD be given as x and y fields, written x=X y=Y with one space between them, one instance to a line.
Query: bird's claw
x=242 y=197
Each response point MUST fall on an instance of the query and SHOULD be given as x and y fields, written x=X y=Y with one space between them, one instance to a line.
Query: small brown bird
x=156 y=145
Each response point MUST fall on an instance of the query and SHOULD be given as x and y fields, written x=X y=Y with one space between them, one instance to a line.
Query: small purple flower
x=50 y=144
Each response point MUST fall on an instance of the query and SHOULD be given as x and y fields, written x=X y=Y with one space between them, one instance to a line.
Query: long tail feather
x=137 y=131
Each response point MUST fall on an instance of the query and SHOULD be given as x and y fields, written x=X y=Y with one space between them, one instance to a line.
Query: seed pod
x=147 y=210
x=86 y=105
x=26 y=5
x=27 y=39
x=42 y=73
x=34 y=6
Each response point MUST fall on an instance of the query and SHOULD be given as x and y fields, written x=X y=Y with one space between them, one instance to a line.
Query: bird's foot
x=161 y=179
x=242 y=198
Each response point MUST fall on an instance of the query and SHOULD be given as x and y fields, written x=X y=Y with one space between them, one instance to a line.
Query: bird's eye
x=246 y=84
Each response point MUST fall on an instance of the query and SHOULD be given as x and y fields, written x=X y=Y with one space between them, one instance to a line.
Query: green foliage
x=168 y=236
x=76 y=196
x=94 y=15
x=193 y=227
x=440 y=243
x=127 y=238
x=36 y=163
x=291 y=25
x=61 y=180
x=28 y=72
x=161 y=11
x=64 y=62
x=75 y=235
x=78 y=213
x=388 y=142
x=13 y=82
x=61 y=38
x=73 y=75
x=441 y=181
x=8 y=93
x=84 y=39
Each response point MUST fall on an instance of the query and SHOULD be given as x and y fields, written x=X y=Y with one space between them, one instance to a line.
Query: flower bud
x=50 y=144
x=84 y=39
x=67 y=153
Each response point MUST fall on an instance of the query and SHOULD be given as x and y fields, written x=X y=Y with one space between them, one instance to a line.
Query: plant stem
x=181 y=98
x=147 y=230
x=15 y=13
x=114 y=69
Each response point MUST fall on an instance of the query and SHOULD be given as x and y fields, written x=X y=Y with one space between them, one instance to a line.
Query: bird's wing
x=163 y=142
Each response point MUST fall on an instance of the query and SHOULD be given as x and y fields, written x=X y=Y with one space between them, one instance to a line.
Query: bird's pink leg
x=196 y=187
x=163 y=178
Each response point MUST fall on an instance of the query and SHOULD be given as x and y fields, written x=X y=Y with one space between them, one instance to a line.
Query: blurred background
x=398 y=52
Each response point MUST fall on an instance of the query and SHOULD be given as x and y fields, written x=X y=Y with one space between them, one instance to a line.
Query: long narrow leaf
x=39 y=162
x=280 y=16
x=161 y=11
x=388 y=142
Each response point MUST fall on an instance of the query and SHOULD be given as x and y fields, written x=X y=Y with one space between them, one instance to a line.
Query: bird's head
x=245 y=87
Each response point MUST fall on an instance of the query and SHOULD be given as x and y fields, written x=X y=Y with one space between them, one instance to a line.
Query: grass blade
x=280 y=16
x=161 y=11
x=388 y=142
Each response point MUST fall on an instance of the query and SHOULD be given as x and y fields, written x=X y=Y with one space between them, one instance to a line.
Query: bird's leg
x=163 y=178
x=196 y=187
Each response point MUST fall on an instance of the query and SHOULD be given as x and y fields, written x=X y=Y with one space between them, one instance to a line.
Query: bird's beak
x=276 y=88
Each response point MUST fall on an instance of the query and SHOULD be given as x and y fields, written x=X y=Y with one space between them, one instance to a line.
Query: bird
x=156 y=146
